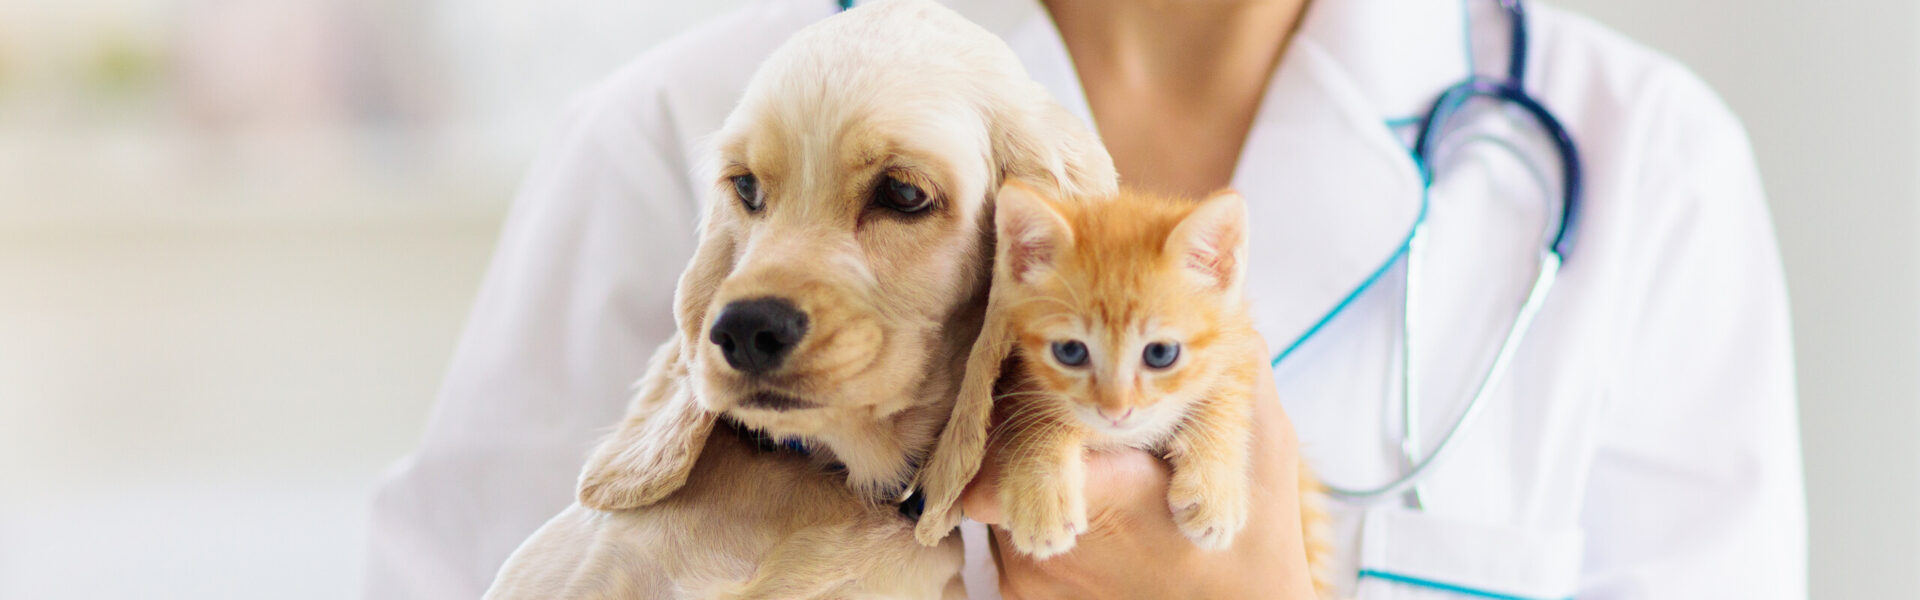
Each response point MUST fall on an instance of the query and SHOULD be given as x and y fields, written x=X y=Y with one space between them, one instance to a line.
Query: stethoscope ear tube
x=1456 y=97
x=1549 y=269
x=1558 y=236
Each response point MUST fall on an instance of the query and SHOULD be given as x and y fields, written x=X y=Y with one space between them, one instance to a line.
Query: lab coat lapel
x=1396 y=55
x=1331 y=195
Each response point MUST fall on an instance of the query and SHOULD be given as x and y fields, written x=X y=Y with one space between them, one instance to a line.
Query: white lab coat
x=1644 y=444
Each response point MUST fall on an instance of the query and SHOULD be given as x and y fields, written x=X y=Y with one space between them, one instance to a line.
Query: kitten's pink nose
x=1116 y=416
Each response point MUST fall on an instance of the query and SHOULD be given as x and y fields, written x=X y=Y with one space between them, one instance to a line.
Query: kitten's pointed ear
x=1211 y=242
x=1029 y=230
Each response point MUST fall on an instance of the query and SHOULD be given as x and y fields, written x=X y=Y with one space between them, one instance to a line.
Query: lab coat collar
x=1331 y=190
x=1398 y=54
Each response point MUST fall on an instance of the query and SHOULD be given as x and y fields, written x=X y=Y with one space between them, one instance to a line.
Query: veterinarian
x=1641 y=443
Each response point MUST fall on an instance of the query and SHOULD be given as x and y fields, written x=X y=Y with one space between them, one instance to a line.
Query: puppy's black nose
x=756 y=334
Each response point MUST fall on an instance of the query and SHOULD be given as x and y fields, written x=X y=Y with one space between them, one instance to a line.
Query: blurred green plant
x=123 y=67
x=6 y=71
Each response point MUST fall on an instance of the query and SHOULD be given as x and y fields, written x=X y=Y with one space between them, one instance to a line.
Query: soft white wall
x=1830 y=93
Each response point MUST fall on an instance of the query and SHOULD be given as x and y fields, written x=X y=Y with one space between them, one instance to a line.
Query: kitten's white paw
x=1044 y=524
x=1208 y=513
x=1042 y=543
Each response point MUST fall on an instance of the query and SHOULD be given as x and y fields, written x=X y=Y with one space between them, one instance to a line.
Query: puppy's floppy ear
x=1029 y=234
x=654 y=448
x=962 y=445
x=651 y=453
x=711 y=264
x=1037 y=140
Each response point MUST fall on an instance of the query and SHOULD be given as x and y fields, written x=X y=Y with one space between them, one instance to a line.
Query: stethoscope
x=1419 y=463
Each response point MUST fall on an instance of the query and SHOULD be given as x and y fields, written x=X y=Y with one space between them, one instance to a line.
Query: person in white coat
x=1643 y=443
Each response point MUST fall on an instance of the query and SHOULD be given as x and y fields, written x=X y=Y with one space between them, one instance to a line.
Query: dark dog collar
x=910 y=507
x=764 y=442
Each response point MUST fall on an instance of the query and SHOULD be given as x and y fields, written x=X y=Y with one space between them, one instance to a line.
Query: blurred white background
x=237 y=242
x=238 y=239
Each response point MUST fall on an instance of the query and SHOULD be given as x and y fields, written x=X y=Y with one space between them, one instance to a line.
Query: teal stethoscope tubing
x=1551 y=256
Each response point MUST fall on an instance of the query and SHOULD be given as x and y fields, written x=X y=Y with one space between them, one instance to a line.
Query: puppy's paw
x=1210 y=511
x=1044 y=523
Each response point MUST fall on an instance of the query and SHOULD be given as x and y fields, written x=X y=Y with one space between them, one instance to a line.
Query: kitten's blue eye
x=748 y=189
x=1161 y=355
x=1070 y=353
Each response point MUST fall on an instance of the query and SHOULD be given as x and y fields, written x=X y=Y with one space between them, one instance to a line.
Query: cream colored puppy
x=839 y=283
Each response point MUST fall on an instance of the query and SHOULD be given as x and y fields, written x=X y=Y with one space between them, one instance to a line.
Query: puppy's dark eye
x=901 y=196
x=1161 y=355
x=1070 y=353
x=748 y=189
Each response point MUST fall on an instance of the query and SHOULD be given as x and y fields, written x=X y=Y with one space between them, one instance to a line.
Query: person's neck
x=1179 y=50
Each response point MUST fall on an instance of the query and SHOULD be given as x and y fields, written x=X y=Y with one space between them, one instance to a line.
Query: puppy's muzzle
x=756 y=335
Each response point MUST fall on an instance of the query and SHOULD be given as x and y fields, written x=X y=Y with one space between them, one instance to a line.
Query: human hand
x=1132 y=549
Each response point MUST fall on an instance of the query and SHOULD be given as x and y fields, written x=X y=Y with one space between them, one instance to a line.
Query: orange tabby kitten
x=1128 y=319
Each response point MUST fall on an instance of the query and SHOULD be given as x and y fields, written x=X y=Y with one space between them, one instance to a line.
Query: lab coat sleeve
x=1696 y=487
x=578 y=294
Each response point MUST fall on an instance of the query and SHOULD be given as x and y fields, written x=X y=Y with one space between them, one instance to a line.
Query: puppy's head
x=845 y=231
x=846 y=250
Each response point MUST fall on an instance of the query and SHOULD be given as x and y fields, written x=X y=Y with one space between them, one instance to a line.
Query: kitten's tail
x=1315 y=527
